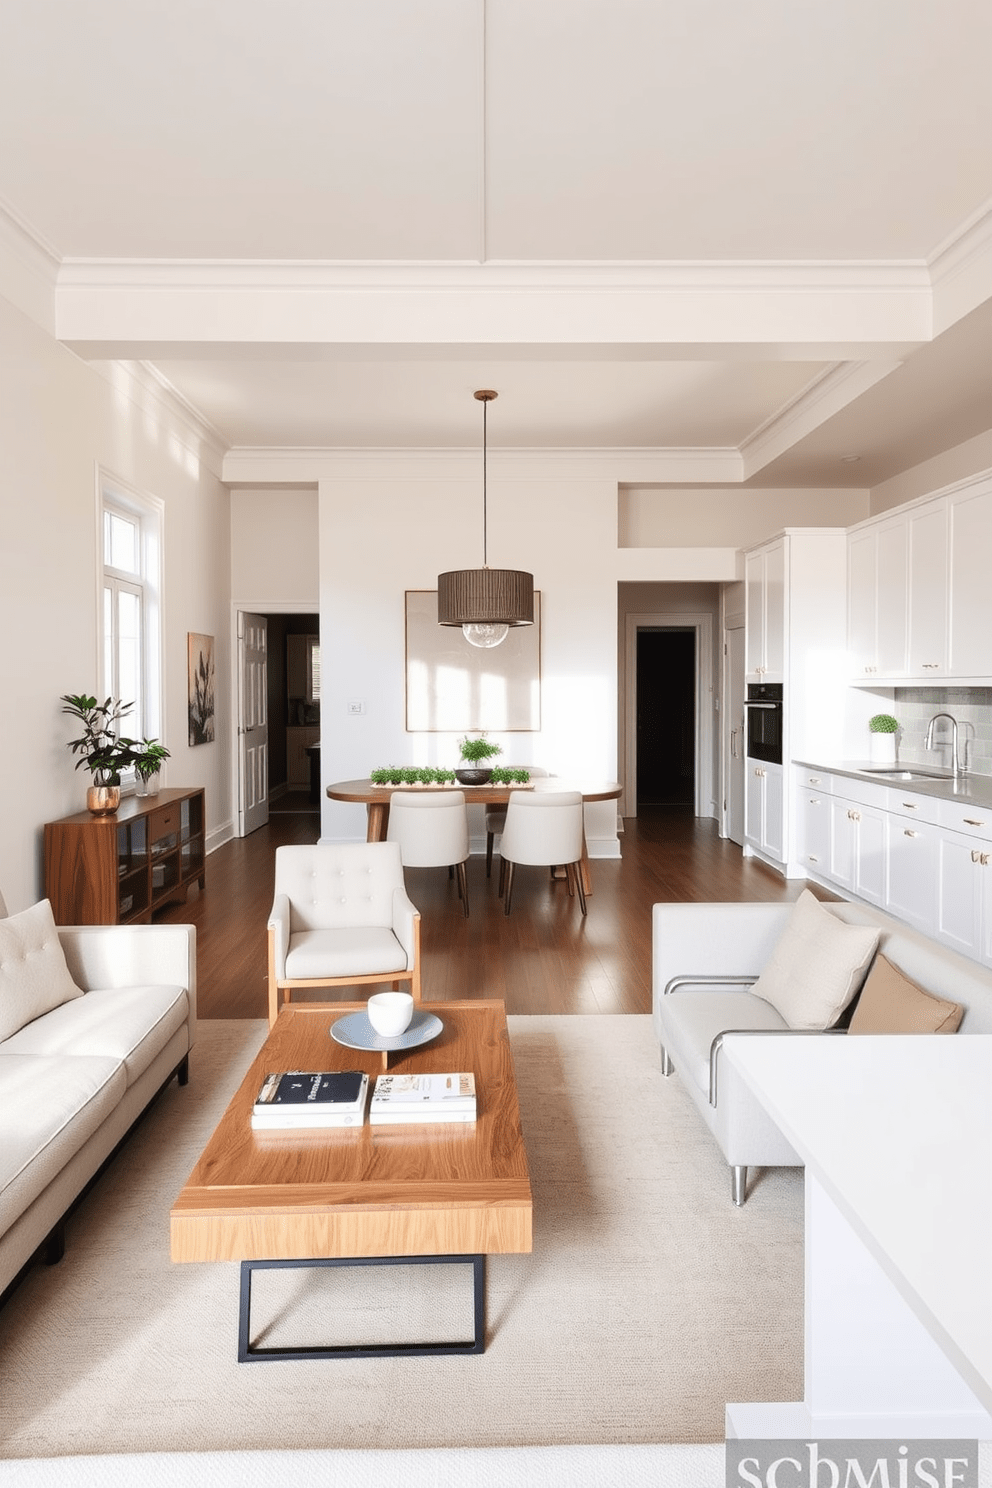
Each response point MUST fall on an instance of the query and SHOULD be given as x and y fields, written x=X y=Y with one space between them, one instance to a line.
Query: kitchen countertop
x=939 y=784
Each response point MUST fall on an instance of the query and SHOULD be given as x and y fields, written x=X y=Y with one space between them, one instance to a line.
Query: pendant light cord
x=485 y=515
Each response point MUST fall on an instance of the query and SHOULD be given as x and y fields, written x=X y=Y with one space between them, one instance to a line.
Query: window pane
x=120 y=543
x=109 y=679
x=129 y=658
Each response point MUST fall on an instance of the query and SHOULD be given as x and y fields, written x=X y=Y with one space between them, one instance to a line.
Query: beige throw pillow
x=891 y=1003
x=34 y=977
x=817 y=966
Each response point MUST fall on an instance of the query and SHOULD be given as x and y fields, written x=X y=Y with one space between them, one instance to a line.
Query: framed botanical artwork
x=201 y=689
x=452 y=686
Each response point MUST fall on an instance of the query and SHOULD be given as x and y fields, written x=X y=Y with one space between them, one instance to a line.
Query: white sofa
x=74 y=1079
x=705 y=957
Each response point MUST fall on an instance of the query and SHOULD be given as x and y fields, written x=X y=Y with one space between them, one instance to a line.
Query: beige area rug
x=649 y=1301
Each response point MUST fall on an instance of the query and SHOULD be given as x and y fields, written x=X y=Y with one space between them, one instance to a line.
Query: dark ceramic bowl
x=473 y=776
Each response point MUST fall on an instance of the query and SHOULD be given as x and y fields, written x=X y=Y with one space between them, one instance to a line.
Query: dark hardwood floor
x=543 y=958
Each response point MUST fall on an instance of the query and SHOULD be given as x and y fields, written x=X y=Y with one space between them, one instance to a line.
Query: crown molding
x=143 y=384
x=830 y=391
x=251 y=466
x=961 y=269
x=29 y=267
x=632 y=275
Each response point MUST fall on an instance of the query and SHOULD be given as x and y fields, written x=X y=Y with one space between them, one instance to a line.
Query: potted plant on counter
x=474 y=751
x=882 y=729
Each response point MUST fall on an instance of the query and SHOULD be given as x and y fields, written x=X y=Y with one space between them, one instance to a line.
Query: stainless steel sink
x=896 y=772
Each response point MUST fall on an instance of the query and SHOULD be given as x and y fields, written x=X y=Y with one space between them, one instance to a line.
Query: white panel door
x=253 y=723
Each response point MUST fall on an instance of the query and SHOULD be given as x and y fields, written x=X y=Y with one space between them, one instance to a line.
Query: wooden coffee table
x=345 y=1196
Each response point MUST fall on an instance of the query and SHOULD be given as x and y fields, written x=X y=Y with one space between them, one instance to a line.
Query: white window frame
x=116 y=496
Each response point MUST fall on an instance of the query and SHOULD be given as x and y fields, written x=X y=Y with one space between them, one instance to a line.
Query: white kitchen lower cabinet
x=913 y=863
x=964 y=897
x=923 y=859
x=813 y=815
x=764 y=808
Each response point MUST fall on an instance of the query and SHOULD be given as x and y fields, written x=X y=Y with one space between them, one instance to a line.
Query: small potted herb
x=882 y=729
x=474 y=752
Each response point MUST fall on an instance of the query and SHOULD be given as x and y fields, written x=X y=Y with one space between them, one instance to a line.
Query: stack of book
x=409 y=1098
x=310 y=1098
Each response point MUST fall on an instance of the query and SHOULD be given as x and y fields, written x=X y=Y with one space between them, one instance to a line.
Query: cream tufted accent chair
x=341 y=916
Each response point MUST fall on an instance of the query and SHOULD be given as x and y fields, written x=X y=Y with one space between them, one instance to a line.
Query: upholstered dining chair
x=496 y=818
x=341 y=916
x=431 y=828
x=543 y=828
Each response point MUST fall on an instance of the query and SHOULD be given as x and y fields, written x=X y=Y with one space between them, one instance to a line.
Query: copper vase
x=103 y=800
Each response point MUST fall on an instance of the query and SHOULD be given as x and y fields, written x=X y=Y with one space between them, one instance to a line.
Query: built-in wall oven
x=763 y=712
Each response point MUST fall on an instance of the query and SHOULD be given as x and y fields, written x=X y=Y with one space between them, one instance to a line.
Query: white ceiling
x=657 y=175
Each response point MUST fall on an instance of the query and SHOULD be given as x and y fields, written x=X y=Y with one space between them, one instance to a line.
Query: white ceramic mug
x=390 y=1013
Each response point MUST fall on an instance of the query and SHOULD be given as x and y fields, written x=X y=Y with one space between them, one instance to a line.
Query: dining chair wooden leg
x=463 y=887
x=508 y=890
x=502 y=876
x=577 y=875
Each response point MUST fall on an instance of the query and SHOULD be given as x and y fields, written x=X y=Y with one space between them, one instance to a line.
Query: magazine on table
x=408 y=1098
x=311 y=1098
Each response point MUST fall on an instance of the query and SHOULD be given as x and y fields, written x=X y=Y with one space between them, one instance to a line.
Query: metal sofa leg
x=666 y=1061
x=738 y=1184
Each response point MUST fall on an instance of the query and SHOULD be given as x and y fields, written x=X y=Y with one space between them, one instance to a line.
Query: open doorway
x=666 y=717
x=291 y=685
x=679 y=707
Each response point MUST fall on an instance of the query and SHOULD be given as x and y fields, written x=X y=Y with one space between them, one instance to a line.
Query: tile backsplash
x=971 y=706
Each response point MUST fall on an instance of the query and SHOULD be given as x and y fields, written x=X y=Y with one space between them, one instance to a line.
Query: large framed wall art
x=452 y=686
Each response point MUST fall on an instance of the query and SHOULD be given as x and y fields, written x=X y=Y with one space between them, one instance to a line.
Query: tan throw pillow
x=891 y=1003
x=34 y=977
x=817 y=966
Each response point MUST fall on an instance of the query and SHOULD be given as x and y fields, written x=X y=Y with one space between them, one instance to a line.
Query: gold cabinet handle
x=907 y=833
x=970 y=821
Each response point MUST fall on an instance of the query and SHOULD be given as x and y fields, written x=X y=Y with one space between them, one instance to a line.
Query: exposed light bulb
x=485 y=636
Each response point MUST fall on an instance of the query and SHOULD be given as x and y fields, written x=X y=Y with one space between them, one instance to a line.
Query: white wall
x=392 y=522
x=970 y=458
x=274 y=548
x=59 y=421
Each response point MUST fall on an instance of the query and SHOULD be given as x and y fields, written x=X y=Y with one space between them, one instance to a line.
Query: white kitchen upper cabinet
x=928 y=582
x=970 y=539
x=892 y=655
x=877 y=593
x=862 y=601
x=764 y=612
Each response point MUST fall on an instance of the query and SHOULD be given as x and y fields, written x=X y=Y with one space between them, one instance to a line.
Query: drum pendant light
x=485 y=601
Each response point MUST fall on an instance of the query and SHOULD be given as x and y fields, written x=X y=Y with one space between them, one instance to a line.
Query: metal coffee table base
x=249 y=1354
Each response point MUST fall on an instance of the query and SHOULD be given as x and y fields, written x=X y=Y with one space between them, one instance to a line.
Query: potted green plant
x=474 y=751
x=148 y=758
x=882 y=730
x=105 y=752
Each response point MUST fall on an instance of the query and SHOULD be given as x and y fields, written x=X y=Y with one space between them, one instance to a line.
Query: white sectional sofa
x=117 y=1020
x=705 y=960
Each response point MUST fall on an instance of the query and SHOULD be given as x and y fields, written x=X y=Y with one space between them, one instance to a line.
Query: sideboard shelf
x=118 y=869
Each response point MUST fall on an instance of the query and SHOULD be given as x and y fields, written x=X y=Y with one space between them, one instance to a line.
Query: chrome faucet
x=929 y=744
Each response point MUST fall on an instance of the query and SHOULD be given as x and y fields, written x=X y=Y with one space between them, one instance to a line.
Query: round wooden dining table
x=376 y=799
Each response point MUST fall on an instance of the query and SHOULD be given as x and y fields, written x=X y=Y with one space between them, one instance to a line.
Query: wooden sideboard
x=118 y=869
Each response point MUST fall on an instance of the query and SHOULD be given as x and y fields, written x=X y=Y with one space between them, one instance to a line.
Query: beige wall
x=728 y=517
x=274 y=548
